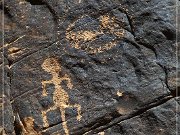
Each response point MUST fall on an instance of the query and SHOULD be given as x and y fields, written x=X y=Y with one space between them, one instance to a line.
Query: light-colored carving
x=60 y=96
x=82 y=35
x=6 y=45
x=107 y=25
x=101 y=133
x=27 y=126
x=14 y=50
x=120 y=94
x=105 y=20
x=22 y=2
x=2 y=131
x=110 y=23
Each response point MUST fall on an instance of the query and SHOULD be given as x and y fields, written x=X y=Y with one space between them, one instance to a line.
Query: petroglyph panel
x=91 y=40
x=75 y=67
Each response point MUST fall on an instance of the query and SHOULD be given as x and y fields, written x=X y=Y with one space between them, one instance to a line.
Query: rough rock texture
x=94 y=67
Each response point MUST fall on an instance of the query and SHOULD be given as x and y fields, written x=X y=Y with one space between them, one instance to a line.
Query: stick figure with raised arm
x=60 y=96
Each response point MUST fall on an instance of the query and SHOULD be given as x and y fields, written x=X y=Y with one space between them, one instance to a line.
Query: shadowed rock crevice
x=115 y=120
x=35 y=2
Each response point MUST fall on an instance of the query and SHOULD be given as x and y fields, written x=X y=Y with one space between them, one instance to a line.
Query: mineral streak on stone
x=89 y=67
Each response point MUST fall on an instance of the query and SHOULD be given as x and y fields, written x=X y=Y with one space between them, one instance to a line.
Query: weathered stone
x=160 y=120
x=90 y=67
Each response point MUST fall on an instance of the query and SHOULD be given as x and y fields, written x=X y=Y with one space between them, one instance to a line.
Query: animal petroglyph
x=82 y=40
x=60 y=96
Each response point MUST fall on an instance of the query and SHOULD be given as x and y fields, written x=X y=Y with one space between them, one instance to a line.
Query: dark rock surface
x=74 y=67
x=159 y=120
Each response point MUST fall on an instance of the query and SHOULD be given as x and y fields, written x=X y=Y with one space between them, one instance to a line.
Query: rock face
x=92 y=67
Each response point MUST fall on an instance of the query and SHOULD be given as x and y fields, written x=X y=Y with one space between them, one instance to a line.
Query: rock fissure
x=123 y=118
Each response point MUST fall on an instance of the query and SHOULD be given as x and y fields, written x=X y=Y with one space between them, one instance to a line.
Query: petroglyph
x=14 y=50
x=120 y=94
x=27 y=126
x=2 y=131
x=60 y=96
x=80 y=39
x=101 y=133
x=6 y=45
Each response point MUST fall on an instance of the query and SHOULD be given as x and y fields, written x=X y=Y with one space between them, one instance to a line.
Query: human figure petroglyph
x=60 y=96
